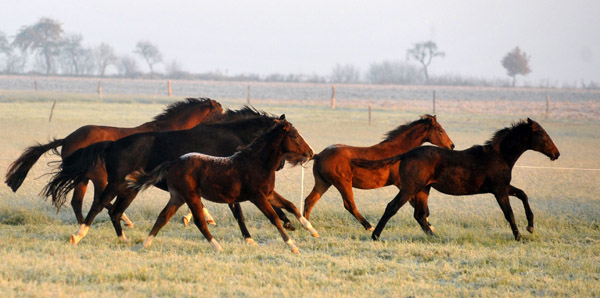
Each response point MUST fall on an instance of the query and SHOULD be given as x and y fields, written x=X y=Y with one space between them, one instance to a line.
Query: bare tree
x=149 y=53
x=104 y=55
x=345 y=74
x=127 y=66
x=424 y=52
x=516 y=63
x=44 y=38
x=74 y=57
x=175 y=71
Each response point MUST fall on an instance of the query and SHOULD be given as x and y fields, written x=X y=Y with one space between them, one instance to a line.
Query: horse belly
x=369 y=179
x=458 y=182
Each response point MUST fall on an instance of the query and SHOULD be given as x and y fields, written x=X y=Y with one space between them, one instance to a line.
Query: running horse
x=247 y=175
x=477 y=170
x=145 y=151
x=332 y=165
x=177 y=116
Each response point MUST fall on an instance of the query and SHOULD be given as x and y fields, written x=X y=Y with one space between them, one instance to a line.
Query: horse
x=332 y=165
x=477 y=170
x=178 y=115
x=146 y=151
x=247 y=175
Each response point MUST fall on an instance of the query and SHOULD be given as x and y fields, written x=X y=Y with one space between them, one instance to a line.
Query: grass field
x=474 y=253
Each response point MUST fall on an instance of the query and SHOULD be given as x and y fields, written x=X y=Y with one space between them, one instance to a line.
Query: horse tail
x=73 y=170
x=376 y=164
x=17 y=171
x=140 y=180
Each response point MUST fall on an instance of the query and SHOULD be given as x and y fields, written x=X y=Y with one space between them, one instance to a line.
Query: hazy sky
x=562 y=37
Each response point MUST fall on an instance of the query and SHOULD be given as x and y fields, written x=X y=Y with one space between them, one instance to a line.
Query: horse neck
x=267 y=153
x=182 y=121
x=512 y=147
x=410 y=138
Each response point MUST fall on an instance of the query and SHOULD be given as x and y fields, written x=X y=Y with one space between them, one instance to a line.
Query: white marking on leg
x=251 y=242
x=148 y=241
x=83 y=229
x=309 y=227
x=127 y=220
x=208 y=217
x=292 y=245
x=123 y=238
x=216 y=245
x=187 y=218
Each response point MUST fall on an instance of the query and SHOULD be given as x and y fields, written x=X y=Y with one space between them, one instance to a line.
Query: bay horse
x=332 y=165
x=176 y=116
x=148 y=150
x=247 y=175
x=477 y=170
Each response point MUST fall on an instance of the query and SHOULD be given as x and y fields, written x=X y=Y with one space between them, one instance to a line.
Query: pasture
x=474 y=253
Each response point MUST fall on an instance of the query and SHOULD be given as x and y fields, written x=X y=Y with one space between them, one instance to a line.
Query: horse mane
x=180 y=106
x=244 y=113
x=393 y=134
x=259 y=140
x=501 y=134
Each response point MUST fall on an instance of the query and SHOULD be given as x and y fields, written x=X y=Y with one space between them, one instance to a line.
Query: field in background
x=474 y=253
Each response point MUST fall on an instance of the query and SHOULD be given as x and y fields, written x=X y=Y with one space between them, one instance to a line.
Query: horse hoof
x=186 y=221
x=295 y=250
x=432 y=229
x=73 y=240
x=370 y=229
x=129 y=225
x=316 y=234
x=289 y=226
x=251 y=242
x=518 y=237
x=148 y=241
x=375 y=237
x=211 y=222
x=530 y=229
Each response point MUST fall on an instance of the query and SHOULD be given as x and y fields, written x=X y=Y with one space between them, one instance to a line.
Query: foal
x=248 y=175
x=479 y=169
x=332 y=165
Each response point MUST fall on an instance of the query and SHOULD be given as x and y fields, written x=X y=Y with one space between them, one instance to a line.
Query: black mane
x=180 y=106
x=246 y=112
x=391 y=135
x=501 y=134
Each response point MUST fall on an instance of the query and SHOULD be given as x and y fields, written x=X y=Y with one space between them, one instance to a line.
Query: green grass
x=474 y=253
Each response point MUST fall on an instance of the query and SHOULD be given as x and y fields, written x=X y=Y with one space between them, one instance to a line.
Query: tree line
x=44 y=48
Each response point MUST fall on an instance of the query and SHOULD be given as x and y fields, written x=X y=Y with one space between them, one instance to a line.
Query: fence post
x=169 y=85
x=100 y=90
x=52 y=111
x=547 y=104
x=369 y=114
x=248 y=98
x=433 y=102
x=333 y=97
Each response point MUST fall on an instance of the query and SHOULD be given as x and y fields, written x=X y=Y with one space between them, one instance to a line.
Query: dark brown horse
x=479 y=169
x=248 y=175
x=332 y=165
x=177 y=116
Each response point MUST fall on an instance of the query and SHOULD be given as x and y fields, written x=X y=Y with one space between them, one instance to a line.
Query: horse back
x=90 y=134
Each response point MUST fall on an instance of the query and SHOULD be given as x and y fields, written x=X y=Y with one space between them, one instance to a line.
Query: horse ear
x=282 y=117
x=435 y=117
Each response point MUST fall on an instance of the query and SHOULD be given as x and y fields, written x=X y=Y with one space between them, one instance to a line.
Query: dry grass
x=473 y=255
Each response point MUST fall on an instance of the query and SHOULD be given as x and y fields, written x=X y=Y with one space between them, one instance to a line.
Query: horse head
x=295 y=147
x=541 y=141
x=437 y=135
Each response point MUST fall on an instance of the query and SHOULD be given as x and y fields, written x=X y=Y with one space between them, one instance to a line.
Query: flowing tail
x=73 y=170
x=140 y=180
x=17 y=171
x=376 y=164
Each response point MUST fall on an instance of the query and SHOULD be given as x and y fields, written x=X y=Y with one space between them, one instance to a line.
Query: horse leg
x=77 y=200
x=236 y=209
x=392 y=208
x=321 y=186
x=348 y=197
x=513 y=191
x=287 y=224
x=188 y=217
x=508 y=213
x=163 y=218
x=266 y=208
x=107 y=195
x=422 y=211
x=123 y=201
x=277 y=201
x=195 y=204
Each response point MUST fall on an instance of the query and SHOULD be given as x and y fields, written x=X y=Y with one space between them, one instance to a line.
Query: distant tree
x=393 y=72
x=104 y=55
x=516 y=63
x=128 y=66
x=43 y=38
x=149 y=53
x=175 y=71
x=345 y=74
x=4 y=44
x=75 y=59
x=424 y=52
